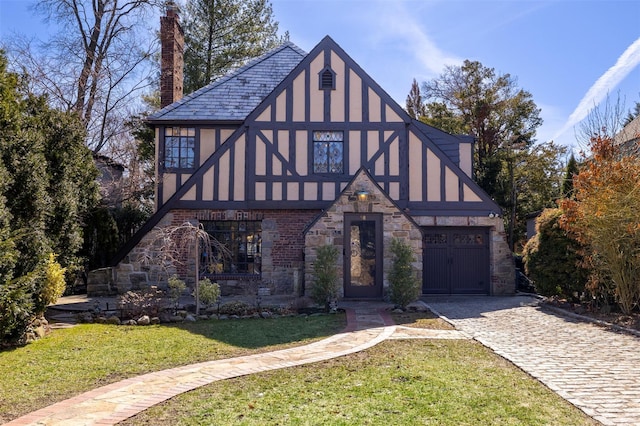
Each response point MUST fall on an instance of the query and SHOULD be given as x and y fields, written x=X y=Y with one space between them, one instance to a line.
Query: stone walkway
x=368 y=325
x=594 y=368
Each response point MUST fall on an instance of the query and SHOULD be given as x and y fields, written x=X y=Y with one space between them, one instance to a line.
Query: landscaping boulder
x=40 y=332
x=114 y=320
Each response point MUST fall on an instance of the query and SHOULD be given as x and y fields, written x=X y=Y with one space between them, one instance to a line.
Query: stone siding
x=329 y=229
x=282 y=251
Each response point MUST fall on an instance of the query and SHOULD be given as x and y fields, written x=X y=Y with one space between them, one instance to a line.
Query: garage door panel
x=436 y=271
x=468 y=271
x=456 y=261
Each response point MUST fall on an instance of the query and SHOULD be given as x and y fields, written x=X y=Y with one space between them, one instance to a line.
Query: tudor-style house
x=296 y=150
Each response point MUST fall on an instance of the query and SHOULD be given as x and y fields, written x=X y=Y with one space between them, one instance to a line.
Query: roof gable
x=308 y=71
x=268 y=162
x=234 y=96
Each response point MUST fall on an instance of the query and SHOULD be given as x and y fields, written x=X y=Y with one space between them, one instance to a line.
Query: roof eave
x=194 y=122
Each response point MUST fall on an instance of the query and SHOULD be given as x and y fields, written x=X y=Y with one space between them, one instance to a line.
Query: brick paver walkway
x=594 y=368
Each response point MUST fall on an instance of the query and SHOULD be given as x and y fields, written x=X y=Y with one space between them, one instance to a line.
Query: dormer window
x=327 y=79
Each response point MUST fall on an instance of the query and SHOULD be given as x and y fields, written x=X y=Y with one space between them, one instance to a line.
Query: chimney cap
x=172 y=7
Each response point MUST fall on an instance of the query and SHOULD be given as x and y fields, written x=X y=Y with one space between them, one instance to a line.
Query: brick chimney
x=172 y=63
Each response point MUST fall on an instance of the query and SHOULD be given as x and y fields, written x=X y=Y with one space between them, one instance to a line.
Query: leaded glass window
x=328 y=152
x=242 y=240
x=179 y=147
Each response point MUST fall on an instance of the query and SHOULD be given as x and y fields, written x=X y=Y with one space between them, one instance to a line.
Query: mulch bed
x=615 y=318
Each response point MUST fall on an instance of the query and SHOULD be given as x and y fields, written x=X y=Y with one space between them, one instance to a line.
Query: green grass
x=411 y=382
x=420 y=320
x=426 y=382
x=74 y=360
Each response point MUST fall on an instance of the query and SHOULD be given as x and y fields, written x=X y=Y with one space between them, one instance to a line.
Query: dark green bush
x=16 y=309
x=325 y=288
x=236 y=307
x=405 y=286
x=553 y=260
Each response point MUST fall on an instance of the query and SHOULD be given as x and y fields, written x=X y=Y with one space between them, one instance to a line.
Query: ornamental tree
x=605 y=217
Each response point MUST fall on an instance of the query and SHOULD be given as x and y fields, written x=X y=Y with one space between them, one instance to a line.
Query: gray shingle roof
x=235 y=95
x=447 y=142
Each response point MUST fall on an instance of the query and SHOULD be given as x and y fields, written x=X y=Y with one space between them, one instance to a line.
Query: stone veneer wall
x=329 y=229
x=282 y=253
x=502 y=269
x=288 y=255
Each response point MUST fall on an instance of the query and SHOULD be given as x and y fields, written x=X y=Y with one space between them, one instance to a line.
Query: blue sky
x=569 y=54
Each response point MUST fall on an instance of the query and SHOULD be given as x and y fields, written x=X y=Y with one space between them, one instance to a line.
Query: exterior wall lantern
x=362 y=195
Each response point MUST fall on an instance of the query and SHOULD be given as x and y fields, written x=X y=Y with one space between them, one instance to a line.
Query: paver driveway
x=596 y=369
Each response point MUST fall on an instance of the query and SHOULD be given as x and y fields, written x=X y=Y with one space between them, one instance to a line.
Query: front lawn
x=429 y=382
x=410 y=382
x=71 y=361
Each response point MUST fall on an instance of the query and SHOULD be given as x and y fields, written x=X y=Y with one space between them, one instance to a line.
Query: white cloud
x=402 y=26
x=601 y=88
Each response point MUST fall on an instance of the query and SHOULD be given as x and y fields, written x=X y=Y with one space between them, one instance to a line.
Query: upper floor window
x=328 y=152
x=179 y=147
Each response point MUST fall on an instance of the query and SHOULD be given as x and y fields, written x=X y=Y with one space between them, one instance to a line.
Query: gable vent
x=327 y=79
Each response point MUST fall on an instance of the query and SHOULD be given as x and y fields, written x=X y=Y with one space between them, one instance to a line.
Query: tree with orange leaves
x=605 y=217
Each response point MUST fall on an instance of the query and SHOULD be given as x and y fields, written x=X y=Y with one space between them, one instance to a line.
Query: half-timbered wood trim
x=250 y=159
x=356 y=81
x=445 y=161
x=271 y=149
x=367 y=81
x=329 y=125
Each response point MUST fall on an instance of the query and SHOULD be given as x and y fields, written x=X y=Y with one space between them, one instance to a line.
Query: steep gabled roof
x=629 y=138
x=447 y=142
x=235 y=95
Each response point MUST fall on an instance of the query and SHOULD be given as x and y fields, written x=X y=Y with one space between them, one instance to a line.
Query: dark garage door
x=456 y=261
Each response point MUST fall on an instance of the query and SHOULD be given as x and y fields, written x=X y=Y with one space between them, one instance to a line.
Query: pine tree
x=567 y=183
x=415 y=106
x=223 y=34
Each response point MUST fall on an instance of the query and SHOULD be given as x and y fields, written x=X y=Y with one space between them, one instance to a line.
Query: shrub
x=405 y=286
x=553 y=260
x=604 y=217
x=325 y=288
x=53 y=284
x=236 y=307
x=176 y=287
x=16 y=309
x=134 y=304
x=209 y=292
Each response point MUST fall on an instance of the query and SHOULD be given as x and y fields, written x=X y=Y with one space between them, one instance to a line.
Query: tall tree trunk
x=90 y=51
